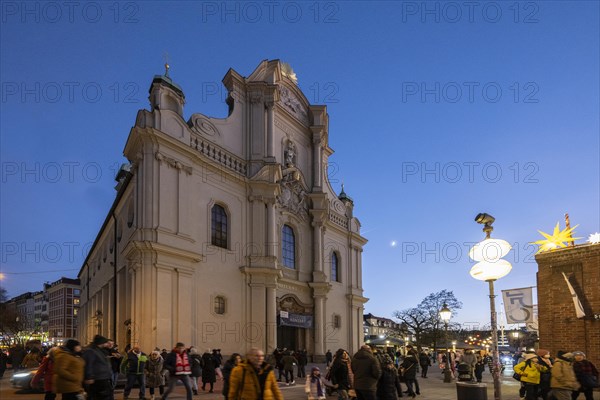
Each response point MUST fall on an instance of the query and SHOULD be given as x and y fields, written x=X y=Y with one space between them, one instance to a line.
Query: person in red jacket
x=45 y=372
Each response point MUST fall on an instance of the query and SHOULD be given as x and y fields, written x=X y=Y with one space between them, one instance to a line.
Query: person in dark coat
x=208 y=371
x=134 y=366
x=339 y=374
x=585 y=372
x=3 y=362
x=288 y=367
x=366 y=371
x=16 y=356
x=302 y=358
x=328 y=357
x=98 y=371
x=408 y=369
x=178 y=365
x=479 y=368
x=233 y=361
x=115 y=361
x=388 y=387
x=425 y=363
x=196 y=364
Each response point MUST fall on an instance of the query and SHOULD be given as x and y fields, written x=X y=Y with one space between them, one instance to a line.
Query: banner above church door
x=295 y=320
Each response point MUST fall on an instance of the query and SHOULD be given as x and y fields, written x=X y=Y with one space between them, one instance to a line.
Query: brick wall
x=559 y=328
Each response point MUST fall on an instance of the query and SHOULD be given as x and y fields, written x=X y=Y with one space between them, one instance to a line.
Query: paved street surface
x=431 y=388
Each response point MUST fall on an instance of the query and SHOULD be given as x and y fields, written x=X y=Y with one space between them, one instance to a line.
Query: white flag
x=518 y=304
x=578 y=306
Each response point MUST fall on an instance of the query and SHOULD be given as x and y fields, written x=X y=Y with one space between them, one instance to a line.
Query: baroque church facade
x=226 y=233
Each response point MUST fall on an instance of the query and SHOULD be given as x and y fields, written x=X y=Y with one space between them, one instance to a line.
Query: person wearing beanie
x=530 y=370
x=545 y=360
x=98 y=369
x=587 y=375
x=563 y=381
x=315 y=386
x=388 y=386
x=68 y=371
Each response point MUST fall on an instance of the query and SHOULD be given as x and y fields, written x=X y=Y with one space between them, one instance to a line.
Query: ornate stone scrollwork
x=202 y=125
x=288 y=99
x=293 y=195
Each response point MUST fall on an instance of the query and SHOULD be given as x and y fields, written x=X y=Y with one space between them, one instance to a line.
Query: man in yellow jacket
x=530 y=370
x=253 y=379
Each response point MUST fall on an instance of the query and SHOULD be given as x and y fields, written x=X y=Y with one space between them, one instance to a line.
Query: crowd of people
x=563 y=377
x=78 y=372
x=92 y=372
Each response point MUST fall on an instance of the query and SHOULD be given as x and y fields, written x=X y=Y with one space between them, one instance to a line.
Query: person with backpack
x=530 y=371
x=563 y=380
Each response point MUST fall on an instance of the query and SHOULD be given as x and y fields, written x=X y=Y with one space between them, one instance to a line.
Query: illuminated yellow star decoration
x=556 y=240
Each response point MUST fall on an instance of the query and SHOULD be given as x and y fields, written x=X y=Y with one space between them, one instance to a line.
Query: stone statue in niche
x=290 y=155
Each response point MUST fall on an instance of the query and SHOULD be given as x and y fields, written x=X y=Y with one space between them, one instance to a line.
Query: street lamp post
x=489 y=268
x=445 y=315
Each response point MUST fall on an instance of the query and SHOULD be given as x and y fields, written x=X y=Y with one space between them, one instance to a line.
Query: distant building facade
x=226 y=233
x=559 y=326
x=374 y=327
x=63 y=307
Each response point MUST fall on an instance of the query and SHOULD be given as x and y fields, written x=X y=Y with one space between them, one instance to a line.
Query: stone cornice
x=136 y=246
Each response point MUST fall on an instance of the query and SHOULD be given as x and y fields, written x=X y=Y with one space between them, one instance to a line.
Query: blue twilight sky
x=438 y=111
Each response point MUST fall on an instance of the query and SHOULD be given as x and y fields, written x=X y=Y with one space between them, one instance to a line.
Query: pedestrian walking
x=253 y=379
x=388 y=386
x=425 y=363
x=288 y=368
x=155 y=377
x=115 y=359
x=134 y=366
x=366 y=371
x=563 y=381
x=178 y=365
x=98 y=371
x=587 y=375
x=315 y=386
x=530 y=371
x=209 y=375
x=230 y=364
x=408 y=369
x=196 y=365
x=339 y=374
x=328 y=357
x=69 y=371
x=302 y=358
x=45 y=373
